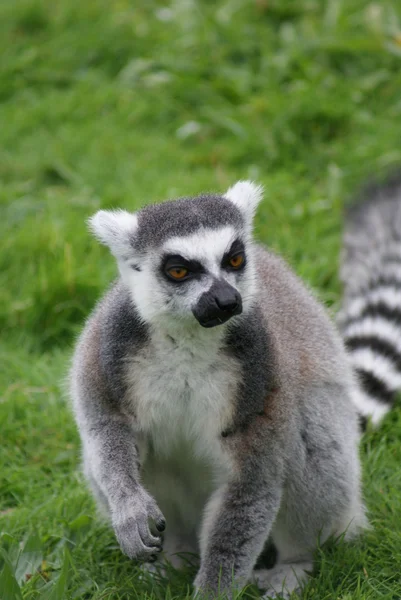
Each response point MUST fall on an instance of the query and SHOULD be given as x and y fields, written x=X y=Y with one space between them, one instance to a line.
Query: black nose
x=228 y=302
x=218 y=304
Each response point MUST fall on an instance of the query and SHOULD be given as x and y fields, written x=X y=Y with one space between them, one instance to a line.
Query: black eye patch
x=175 y=261
x=237 y=247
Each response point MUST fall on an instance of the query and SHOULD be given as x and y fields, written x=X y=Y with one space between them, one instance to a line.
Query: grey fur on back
x=370 y=318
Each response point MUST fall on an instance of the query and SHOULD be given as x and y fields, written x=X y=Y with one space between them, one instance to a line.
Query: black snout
x=218 y=304
x=228 y=302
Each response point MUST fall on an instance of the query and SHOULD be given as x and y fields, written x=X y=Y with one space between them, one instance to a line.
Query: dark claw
x=161 y=525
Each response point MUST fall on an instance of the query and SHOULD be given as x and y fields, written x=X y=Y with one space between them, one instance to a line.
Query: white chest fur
x=182 y=389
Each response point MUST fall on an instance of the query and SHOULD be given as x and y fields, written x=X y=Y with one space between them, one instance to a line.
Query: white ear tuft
x=246 y=195
x=115 y=229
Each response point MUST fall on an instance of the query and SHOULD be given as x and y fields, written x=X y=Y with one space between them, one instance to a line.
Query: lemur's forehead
x=206 y=245
x=184 y=218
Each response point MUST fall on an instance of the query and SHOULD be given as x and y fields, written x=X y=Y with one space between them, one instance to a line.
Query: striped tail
x=370 y=318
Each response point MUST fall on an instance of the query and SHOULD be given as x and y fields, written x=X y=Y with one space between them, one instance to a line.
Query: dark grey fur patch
x=122 y=333
x=158 y=222
x=248 y=341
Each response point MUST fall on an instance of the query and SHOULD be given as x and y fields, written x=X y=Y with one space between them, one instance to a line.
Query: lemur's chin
x=213 y=323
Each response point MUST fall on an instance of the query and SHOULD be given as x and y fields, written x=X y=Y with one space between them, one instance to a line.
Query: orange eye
x=237 y=261
x=177 y=272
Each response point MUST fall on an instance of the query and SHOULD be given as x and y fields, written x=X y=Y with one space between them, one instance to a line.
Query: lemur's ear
x=246 y=195
x=115 y=229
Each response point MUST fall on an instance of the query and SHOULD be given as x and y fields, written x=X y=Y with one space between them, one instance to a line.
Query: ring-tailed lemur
x=370 y=319
x=213 y=394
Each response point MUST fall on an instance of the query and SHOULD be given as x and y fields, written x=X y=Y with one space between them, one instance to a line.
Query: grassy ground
x=122 y=103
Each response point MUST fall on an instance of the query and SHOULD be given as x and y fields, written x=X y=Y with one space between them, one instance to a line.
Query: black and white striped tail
x=370 y=318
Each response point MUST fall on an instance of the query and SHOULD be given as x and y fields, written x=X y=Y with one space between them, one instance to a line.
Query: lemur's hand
x=130 y=520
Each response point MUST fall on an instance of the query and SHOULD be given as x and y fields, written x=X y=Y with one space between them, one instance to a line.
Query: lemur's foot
x=283 y=579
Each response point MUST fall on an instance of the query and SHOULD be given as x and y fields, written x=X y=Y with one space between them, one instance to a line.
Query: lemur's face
x=205 y=275
x=190 y=260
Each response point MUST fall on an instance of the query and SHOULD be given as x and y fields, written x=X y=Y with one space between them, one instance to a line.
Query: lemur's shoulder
x=305 y=339
x=278 y=284
x=113 y=330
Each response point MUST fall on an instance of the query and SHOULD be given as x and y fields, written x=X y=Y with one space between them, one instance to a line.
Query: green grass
x=122 y=103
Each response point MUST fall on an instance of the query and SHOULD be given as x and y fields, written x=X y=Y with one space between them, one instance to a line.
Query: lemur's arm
x=240 y=514
x=111 y=457
x=110 y=453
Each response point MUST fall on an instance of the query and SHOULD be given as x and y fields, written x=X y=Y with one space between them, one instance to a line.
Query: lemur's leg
x=295 y=535
x=321 y=498
x=295 y=540
x=294 y=561
x=283 y=579
x=240 y=513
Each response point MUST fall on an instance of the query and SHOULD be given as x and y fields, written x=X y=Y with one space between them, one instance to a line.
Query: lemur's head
x=186 y=259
